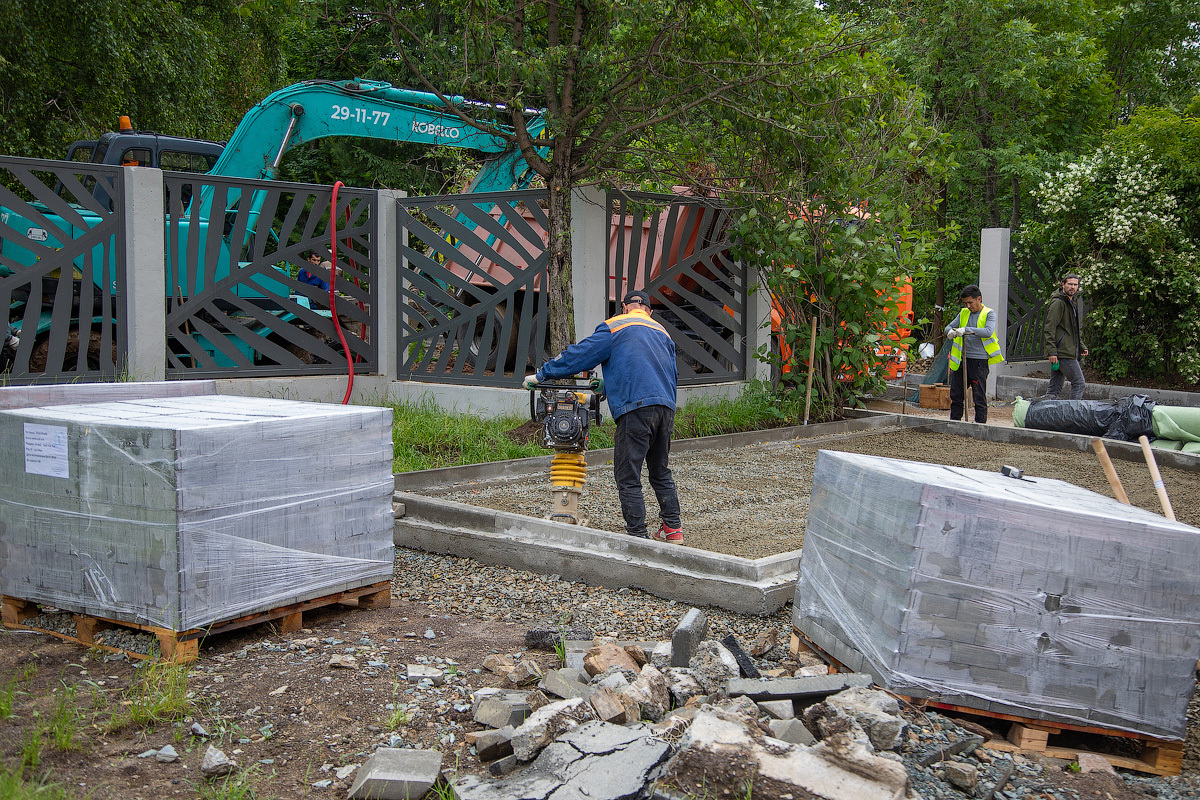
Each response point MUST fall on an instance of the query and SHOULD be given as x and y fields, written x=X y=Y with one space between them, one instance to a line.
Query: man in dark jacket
x=637 y=358
x=1064 y=347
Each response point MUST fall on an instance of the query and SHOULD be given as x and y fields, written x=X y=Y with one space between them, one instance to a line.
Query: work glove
x=531 y=381
x=11 y=340
x=958 y=333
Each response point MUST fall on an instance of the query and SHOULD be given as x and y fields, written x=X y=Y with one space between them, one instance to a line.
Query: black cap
x=636 y=297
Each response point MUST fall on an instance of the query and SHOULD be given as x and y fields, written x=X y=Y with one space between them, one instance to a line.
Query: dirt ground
x=274 y=703
x=271 y=702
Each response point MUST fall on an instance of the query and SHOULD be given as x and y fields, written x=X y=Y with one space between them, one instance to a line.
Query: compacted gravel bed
x=752 y=501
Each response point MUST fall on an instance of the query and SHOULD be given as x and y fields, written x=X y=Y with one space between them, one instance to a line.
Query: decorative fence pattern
x=1030 y=284
x=677 y=249
x=62 y=270
x=234 y=249
x=470 y=306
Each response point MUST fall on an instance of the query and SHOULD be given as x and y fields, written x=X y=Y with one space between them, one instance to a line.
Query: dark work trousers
x=977 y=373
x=1068 y=370
x=644 y=435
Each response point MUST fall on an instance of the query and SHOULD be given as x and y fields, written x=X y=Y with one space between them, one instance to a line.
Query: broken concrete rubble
x=713 y=666
x=600 y=660
x=545 y=724
x=718 y=750
x=876 y=712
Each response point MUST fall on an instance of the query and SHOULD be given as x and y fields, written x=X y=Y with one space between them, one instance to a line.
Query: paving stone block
x=688 y=635
x=395 y=774
x=791 y=731
x=786 y=688
x=778 y=709
x=501 y=709
x=419 y=672
x=564 y=686
x=491 y=745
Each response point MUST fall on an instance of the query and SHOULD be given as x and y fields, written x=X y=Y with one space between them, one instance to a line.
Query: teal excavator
x=290 y=117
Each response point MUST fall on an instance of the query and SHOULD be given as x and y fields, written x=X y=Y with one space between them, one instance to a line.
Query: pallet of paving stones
x=1057 y=740
x=148 y=641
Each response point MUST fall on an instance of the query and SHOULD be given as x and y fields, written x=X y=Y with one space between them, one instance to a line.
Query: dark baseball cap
x=636 y=297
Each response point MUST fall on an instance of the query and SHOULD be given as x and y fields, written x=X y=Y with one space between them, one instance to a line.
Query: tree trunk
x=557 y=291
x=939 y=297
x=1015 y=220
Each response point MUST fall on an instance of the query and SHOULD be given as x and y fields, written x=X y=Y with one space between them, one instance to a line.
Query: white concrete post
x=388 y=275
x=589 y=258
x=994 y=246
x=145 y=306
x=758 y=325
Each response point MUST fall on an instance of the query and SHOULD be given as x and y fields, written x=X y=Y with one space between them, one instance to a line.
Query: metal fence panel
x=235 y=305
x=469 y=294
x=62 y=270
x=1030 y=284
x=677 y=249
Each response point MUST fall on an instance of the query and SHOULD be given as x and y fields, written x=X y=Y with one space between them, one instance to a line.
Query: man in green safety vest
x=975 y=342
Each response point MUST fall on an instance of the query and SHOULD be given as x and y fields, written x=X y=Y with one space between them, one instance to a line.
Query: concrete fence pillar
x=145 y=301
x=758 y=324
x=389 y=273
x=589 y=258
x=994 y=249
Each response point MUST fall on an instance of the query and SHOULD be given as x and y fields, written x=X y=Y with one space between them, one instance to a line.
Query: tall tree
x=611 y=75
x=68 y=69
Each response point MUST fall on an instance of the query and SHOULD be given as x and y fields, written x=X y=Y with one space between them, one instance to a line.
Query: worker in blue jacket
x=636 y=356
x=315 y=280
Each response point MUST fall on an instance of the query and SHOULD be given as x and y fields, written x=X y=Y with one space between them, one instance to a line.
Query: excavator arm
x=320 y=109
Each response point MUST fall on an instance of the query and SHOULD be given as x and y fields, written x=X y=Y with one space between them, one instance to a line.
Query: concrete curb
x=595 y=557
x=1009 y=386
x=1128 y=451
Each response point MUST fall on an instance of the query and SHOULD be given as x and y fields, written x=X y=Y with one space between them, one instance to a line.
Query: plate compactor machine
x=567 y=412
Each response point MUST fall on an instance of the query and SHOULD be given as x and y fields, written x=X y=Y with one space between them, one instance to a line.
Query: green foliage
x=64 y=720
x=192 y=68
x=1119 y=218
x=14 y=787
x=159 y=693
x=7 y=697
x=237 y=785
x=31 y=747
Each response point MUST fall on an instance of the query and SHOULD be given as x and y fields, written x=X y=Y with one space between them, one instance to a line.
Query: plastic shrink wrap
x=180 y=512
x=1032 y=598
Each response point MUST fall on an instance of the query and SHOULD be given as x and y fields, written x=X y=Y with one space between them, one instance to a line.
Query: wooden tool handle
x=1159 y=486
x=1109 y=472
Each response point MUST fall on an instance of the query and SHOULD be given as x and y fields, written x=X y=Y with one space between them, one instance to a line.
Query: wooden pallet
x=184 y=646
x=1158 y=756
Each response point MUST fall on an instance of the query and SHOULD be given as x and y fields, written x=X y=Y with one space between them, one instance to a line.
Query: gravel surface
x=752 y=501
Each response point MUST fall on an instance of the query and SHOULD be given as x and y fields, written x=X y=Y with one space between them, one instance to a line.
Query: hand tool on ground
x=1159 y=486
x=1109 y=471
x=566 y=411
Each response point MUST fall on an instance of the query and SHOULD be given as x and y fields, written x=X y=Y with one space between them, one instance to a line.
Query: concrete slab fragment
x=395 y=774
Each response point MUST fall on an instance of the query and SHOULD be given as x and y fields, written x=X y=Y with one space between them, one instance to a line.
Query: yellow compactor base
x=568 y=473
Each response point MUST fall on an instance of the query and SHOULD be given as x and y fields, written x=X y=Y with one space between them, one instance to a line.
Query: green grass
x=237 y=785
x=7 y=696
x=158 y=694
x=14 y=787
x=427 y=438
x=63 y=724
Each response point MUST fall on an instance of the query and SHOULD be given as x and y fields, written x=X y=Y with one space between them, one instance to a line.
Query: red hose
x=332 y=295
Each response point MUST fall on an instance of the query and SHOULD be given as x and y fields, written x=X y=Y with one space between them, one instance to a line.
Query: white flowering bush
x=1114 y=218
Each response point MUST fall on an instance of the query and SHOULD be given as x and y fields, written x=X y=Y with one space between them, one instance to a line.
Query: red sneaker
x=665 y=534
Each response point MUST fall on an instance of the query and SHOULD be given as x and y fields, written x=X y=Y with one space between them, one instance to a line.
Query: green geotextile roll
x=1019 y=409
x=1191 y=447
x=1176 y=422
x=1167 y=444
